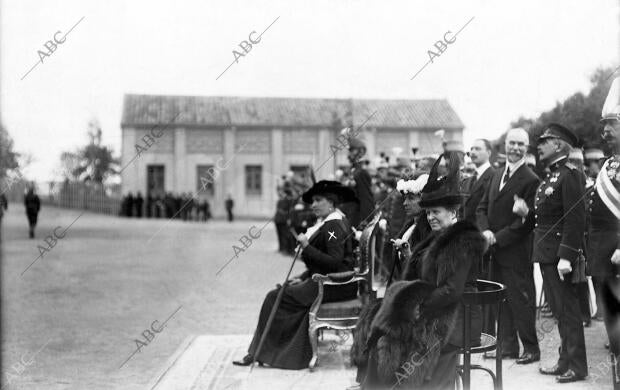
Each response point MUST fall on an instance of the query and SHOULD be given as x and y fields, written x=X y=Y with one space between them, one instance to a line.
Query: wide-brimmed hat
x=345 y=194
x=443 y=190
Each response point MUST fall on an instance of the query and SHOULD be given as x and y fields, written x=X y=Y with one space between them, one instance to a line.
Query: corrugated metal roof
x=287 y=112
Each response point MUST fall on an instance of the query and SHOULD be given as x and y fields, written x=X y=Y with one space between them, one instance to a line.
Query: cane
x=275 y=308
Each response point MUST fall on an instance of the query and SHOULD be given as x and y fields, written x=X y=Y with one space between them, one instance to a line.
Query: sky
x=513 y=58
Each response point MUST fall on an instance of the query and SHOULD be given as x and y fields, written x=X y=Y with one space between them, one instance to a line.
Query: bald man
x=508 y=236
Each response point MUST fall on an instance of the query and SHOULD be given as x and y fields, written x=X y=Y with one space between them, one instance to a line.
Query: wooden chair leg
x=314 y=343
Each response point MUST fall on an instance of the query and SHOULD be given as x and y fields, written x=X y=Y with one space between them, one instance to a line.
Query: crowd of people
x=448 y=221
x=179 y=206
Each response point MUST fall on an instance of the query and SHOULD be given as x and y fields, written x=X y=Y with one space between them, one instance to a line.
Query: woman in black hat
x=327 y=247
x=431 y=334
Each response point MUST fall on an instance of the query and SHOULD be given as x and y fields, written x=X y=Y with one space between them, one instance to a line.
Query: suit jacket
x=512 y=247
x=475 y=190
x=560 y=214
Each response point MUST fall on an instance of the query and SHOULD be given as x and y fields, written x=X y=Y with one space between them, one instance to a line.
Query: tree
x=8 y=158
x=93 y=162
x=581 y=113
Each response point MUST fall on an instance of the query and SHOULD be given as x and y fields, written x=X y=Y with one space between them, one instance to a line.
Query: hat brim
x=344 y=194
x=442 y=201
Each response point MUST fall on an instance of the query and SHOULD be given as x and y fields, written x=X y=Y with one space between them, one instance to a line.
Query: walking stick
x=274 y=308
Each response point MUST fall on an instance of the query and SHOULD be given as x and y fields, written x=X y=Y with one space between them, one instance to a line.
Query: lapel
x=512 y=181
x=478 y=184
x=494 y=185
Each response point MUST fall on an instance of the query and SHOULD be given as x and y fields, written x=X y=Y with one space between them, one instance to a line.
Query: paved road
x=74 y=316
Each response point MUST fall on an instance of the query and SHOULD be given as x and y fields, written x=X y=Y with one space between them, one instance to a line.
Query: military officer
x=358 y=213
x=604 y=235
x=560 y=221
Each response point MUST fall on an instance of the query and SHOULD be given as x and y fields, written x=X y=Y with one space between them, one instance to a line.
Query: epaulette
x=570 y=165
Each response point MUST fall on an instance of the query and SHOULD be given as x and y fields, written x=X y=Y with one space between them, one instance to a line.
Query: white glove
x=615 y=258
x=520 y=207
x=358 y=234
x=564 y=267
x=383 y=224
x=489 y=236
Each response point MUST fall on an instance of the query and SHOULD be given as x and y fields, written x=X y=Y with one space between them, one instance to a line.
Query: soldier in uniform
x=560 y=221
x=604 y=235
x=361 y=185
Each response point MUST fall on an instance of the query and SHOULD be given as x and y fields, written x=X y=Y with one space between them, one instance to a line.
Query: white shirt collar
x=482 y=169
x=514 y=166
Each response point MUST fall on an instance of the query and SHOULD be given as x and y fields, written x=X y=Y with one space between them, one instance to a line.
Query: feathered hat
x=442 y=187
x=412 y=186
x=611 y=108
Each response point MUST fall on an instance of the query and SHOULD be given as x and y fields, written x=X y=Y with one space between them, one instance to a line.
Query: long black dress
x=287 y=344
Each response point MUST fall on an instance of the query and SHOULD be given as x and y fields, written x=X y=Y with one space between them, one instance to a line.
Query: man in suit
x=507 y=235
x=477 y=185
x=560 y=216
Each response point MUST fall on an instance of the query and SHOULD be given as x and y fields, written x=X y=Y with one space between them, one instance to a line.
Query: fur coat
x=397 y=341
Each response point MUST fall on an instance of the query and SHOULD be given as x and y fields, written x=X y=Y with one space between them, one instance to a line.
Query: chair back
x=489 y=293
x=367 y=247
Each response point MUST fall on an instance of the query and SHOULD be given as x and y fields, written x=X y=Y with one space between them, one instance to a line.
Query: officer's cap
x=558 y=131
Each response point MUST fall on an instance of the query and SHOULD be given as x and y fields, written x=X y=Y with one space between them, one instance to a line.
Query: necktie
x=506 y=176
x=505 y=179
x=475 y=176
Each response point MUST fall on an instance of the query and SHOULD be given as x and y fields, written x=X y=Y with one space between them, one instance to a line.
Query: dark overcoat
x=448 y=261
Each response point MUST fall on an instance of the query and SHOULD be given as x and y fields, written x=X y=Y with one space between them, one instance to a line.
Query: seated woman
x=327 y=248
x=423 y=325
x=416 y=227
x=414 y=230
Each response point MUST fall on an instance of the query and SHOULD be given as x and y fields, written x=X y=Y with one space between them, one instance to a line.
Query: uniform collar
x=557 y=163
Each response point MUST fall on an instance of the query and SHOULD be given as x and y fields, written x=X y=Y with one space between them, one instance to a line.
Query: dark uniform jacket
x=604 y=229
x=560 y=214
x=475 y=190
x=357 y=213
x=494 y=213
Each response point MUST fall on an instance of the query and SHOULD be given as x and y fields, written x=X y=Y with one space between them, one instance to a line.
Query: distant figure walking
x=229 y=206
x=33 y=205
x=4 y=205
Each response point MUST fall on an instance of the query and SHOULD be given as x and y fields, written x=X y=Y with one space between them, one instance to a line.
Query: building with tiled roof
x=275 y=135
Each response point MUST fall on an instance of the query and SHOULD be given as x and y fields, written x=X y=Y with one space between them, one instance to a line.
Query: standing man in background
x=477 y=185
x=361 y=184
x=509 y=247
x=33 y=206
x=229 y=204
